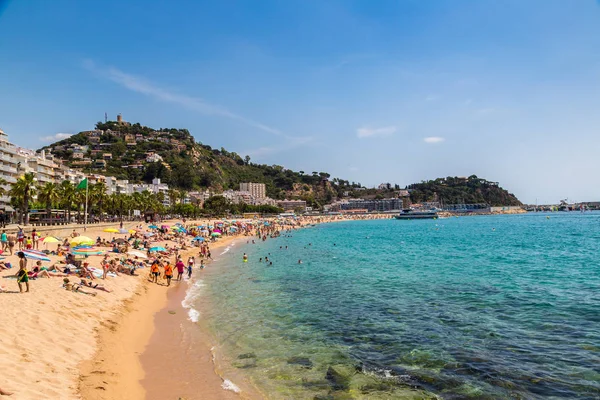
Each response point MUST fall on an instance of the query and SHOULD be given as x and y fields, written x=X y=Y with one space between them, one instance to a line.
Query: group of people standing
x=167 y=268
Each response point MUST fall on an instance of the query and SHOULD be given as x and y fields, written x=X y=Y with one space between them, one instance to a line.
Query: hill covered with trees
x=139 y=153
x=457 y=190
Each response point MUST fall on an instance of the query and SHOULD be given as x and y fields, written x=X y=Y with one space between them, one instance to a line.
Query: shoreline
x=139 y=356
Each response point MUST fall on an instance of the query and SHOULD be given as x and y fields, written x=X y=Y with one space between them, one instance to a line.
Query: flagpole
x=85 y=217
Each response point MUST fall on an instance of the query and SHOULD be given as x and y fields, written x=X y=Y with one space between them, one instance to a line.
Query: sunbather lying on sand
x=72 y=287
x=42 y=273
x=96 y=286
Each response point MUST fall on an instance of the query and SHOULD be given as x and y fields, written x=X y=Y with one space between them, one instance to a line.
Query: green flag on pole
x=83 y=184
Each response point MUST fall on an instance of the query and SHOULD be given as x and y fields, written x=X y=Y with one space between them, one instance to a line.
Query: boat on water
x=412 y=214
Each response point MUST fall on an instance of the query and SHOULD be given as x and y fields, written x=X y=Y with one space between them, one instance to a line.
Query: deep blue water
x=473 y=307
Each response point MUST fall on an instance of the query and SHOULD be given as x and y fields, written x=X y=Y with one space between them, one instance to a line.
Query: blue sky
x=370 y=91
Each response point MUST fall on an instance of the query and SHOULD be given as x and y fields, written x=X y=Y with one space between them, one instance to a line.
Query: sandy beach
x=56 y=343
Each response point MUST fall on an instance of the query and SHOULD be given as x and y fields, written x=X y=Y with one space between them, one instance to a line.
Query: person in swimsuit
x=4 y=240
x=168 y=273
x=22 y=276
x=191 y=263
x=34 y=239
x=96 y=286
x=20 y=238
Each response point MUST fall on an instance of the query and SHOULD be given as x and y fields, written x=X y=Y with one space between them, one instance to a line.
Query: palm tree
x=79 y=198
x=67 y=195
x=98 y=195
x=23 y=189
x=49 y=194
x=173 y=195
x=3 y=182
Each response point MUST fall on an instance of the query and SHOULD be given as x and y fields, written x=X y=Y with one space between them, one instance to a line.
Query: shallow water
x=482 y=307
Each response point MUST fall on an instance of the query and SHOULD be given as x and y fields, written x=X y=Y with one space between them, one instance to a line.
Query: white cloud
x=371 y=132
x=139 y=85
x=433 y=139
x=57 y=137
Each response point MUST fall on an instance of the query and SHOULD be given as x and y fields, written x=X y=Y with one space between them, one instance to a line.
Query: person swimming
x=245 y=257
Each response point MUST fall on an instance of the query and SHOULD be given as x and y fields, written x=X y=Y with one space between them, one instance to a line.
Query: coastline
x=184 y=349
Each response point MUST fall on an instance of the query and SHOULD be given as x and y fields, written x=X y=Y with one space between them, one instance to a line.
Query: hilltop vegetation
x=187 y=164
x=454 y=190
x=129 y=152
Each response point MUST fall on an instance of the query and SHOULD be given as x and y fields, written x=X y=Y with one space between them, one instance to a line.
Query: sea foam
x=228 y=385
x=190 y=299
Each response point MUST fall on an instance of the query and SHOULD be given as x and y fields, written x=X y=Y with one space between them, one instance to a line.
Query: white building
x=256 y=190
x=114 y=185
x=154 y=187
x=153 y=157
x=238 y=196
x=8 y=167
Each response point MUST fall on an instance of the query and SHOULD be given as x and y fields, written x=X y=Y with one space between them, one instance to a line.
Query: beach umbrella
x=157 y=248
x=267 y=224
x=165 y=226
x=138 y=254
x=123 y=231
x=217 y=231
x=120 y=241
x=111 y=230
x=148 y=234
x=81 y=240
x=87 y=251
x=35 y=255
x=215 y=234
x=233 y=228
x=132 y=231
x=152 y=226
x=50 y=239
x=198 y=239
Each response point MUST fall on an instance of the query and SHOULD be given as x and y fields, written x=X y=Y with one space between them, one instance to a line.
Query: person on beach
x=22 y=276
x=180 y=268
x=20 y=238
x=154 y=272
x=4 y=240
x=28 y=243
x=96 y=286
x=191 y=264
x=202 y=264
x=168 y=273
x=34 y=239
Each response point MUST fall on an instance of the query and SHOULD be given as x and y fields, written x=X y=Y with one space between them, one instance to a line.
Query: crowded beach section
x=61 y=288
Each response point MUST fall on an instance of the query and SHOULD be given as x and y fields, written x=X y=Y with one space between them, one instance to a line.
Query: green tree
x=49 y=194
x=217 y=205
x=67 y=195
x=23 y=190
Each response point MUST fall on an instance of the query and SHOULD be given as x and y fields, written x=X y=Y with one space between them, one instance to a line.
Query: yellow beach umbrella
x=132 y=231
x=111 y=230
x=81 y=240
x=50 y=239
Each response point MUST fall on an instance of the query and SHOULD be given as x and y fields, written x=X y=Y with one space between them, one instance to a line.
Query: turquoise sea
x=489 y=307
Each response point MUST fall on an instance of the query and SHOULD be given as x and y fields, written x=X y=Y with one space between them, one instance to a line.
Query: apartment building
x=257 y=190
x=9 y=164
